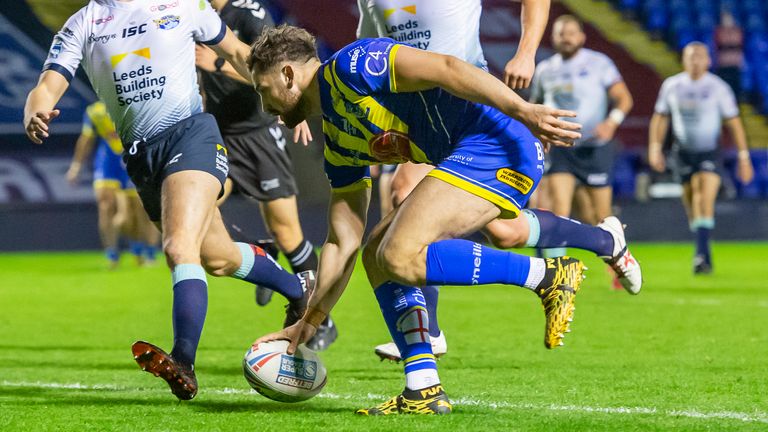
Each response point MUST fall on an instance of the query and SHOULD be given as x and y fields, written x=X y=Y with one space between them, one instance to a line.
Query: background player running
x=697 y=102
x=174 y=154
x=587 y=82
x=119 y=208
x=259 y=162
x=387 y=103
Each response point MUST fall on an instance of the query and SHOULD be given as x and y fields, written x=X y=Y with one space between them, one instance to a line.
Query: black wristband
x=219 y=63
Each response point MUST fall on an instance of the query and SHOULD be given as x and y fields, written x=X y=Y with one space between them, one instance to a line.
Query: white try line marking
x=757 y=417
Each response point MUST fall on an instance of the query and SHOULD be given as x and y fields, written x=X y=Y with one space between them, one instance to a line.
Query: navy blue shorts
x=591 y=165
x=191 y=144
x=692 y=162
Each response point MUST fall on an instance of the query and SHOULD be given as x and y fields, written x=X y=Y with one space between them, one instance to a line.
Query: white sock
x=421 y=379
x=535 y=273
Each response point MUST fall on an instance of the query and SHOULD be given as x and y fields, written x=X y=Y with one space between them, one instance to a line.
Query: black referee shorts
x=591 y=165
x=259 y=163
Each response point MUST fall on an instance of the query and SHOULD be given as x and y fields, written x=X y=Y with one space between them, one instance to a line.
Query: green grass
x=688 y=353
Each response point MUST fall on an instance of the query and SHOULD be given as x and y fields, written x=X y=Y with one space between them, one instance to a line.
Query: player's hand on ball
x=744 y=171
x=519 y=71
x=36 y=126
x=302 y=133
x=545 y=123
x=296 y=334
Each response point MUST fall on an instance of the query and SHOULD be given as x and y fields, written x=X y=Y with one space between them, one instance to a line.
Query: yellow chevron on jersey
x=103 y=126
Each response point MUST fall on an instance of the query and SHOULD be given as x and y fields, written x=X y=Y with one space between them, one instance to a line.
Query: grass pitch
x=687 y=353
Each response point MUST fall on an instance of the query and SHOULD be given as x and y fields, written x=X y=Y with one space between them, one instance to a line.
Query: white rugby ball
x=283 y=377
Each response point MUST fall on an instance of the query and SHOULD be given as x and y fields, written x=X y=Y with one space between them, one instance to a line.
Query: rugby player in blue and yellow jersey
x=119 y=209
x=383 y=102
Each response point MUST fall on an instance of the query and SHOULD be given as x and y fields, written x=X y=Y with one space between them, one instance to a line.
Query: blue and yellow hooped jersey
x=367 y=122
x=97 y=121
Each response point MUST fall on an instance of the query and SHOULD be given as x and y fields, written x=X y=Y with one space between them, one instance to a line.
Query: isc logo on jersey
x=168 y=22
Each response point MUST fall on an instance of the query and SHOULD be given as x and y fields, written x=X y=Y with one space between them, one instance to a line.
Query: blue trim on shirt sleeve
x=219 y=37
x=60 y=69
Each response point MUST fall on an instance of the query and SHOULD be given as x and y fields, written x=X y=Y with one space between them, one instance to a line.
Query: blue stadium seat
x=656 y=20
x=706 y=23
x=629 y=5
x=731 y=6
x=709 y=6
x=747 y=80
x=755 y=24
x=756 y=46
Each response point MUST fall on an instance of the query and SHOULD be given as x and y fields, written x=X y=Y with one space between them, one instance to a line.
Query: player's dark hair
x=280 y=44
x=572 y=19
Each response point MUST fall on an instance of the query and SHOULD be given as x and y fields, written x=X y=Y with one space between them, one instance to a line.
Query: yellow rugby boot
x=558 y=293
x=429 y=401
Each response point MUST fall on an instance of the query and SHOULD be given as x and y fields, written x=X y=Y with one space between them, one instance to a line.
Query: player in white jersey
x=452 y=27
x=588 y=83
x=697 y=102
x=139 y=56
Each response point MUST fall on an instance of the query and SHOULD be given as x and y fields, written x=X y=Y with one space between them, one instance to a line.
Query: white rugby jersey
x=140 y=58
x=697 y=109
x=579 y=84
x=443 y=26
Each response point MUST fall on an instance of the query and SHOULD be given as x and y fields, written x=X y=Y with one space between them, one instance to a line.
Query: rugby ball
x=283 y=377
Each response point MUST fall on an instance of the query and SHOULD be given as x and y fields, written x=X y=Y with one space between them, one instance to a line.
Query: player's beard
x=567 y=50
x=293 y=114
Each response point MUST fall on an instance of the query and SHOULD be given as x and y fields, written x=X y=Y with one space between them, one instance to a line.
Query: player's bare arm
x=417 y=70
x=83 y=148
x=39 y=110
x=346 y=226
x=235 y=52
x=622 y=102
x=744 y=171
x=519 y=70
x=656 y=133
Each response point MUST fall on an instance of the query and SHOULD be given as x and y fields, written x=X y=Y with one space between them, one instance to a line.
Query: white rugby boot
x=621 y=261
x=389 y=351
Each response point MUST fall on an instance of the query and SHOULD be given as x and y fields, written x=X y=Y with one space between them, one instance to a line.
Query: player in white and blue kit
x=139 y=56
x=587 y=82
x=697 y=103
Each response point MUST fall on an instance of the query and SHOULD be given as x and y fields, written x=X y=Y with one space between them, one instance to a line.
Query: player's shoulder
x=716 y=81
x=364 y=56
x=674 y=80
x=596 y=58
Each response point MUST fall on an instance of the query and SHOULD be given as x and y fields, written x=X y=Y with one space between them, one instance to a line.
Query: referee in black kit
x=259 y=164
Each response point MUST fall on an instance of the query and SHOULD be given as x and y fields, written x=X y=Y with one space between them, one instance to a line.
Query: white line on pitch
x=756 y=417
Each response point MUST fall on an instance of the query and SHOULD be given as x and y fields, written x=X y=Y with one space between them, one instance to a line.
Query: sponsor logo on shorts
x=162 y=7
x=174 y=159
x=267 y=185
x=100 y=21
x=222 y=163
x=168 y=22
x=296 y=372
x=521 y=182
x=597 y=179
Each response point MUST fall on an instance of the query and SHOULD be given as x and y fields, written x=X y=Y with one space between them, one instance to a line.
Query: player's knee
x=400 y=263
x=509 y=239
x=219 y=267
x=180 y=251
